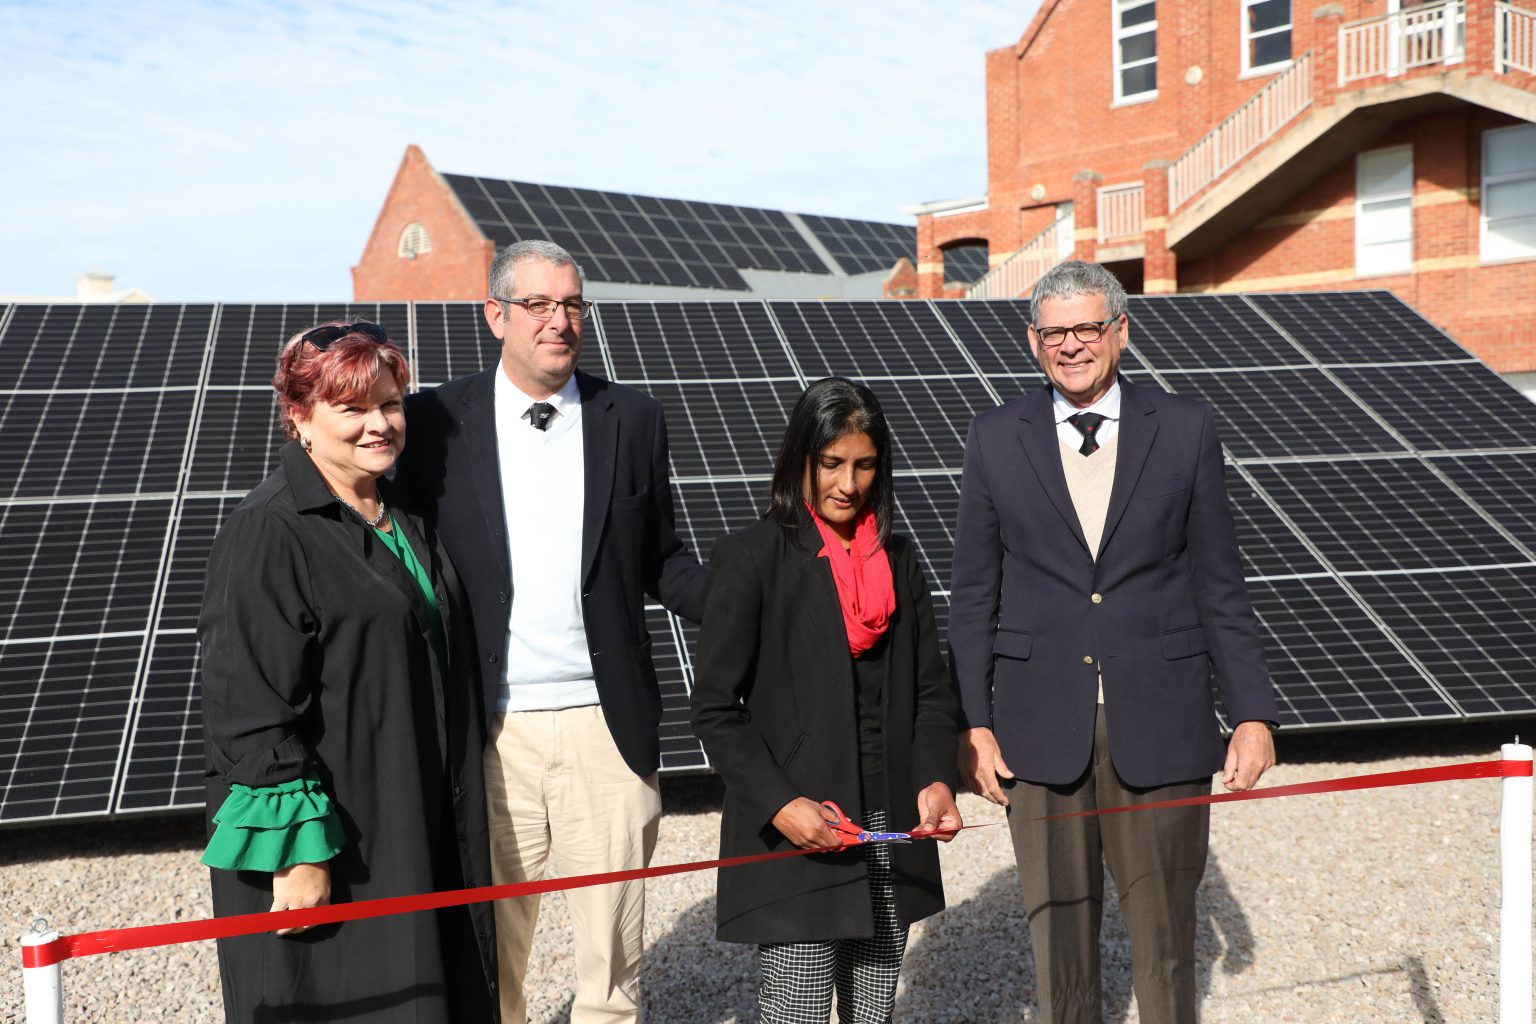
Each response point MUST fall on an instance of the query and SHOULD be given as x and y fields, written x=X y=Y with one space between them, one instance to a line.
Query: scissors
x=850 y=834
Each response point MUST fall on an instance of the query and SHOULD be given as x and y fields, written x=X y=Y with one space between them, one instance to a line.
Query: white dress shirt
x=548 y=665
x=1107 y=406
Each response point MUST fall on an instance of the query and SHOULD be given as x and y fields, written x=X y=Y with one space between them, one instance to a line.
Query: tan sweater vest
x=1089 y=481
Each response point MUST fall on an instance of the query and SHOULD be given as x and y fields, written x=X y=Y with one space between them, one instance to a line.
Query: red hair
x=345 y=372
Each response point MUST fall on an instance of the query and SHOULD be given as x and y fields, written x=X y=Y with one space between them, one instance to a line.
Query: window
x=1384 y=211
x=413 y=242
x=1066 y=230
x=1135 y=49
x=1509 y=193
x=1266 y=35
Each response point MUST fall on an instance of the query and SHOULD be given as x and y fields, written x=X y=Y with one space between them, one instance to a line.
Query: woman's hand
x=802 y=823
x=937 y=813
x=298 y=886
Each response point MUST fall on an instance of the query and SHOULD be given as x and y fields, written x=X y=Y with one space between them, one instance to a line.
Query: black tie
x=539 y=414
x=1087 y=424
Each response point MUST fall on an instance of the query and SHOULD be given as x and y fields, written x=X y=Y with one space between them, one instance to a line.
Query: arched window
x=414 y=241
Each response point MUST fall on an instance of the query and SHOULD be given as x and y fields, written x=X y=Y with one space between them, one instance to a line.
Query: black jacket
x=774 y=704
x=317 y=655
x=629 y=547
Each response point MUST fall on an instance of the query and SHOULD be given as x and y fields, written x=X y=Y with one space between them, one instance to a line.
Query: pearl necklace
x=374 y=522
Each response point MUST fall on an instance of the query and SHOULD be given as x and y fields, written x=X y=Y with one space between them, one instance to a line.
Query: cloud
x=212 y=151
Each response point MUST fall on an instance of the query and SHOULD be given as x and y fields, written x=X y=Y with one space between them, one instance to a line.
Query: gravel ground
x=1355 y=907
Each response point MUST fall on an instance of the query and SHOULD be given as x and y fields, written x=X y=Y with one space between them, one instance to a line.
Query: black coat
x=629 y=547
x=1034 y=618
x=774 y=704
x=317 y=655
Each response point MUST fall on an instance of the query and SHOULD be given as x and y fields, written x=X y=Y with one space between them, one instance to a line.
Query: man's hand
x=802 y=823
x=299 y=886
x=1250 y=753
x=981 y=765
x=936 y=812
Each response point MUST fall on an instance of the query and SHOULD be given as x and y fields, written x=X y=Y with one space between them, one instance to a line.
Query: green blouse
x=275 y=827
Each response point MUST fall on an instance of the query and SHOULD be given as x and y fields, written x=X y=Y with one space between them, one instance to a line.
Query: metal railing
x=1249 y=126
x=1514 y=39
x=1121 y=212
x=1016 y=275
x=1393 y=43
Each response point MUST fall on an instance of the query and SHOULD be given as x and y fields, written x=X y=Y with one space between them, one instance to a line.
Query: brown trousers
x=1156 y=859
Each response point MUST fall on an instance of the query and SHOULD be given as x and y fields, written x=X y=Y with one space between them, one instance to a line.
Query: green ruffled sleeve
x=274 y=827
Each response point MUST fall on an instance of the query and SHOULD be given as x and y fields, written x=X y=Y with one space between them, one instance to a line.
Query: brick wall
x=1052 y=117
x=460 y=256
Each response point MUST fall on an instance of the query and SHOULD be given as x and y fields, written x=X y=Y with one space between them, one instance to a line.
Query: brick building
x=1266 y=145
x=437 y=233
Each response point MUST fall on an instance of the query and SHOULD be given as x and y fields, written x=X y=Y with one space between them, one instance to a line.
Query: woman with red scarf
x=818 y=677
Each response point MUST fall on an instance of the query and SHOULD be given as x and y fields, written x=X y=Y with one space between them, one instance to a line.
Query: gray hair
x=1073 y=278
x=503 y=276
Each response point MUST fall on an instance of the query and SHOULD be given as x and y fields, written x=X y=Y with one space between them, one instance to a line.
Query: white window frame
x=1066 y=230
x=1364 y=265
x=414 y=241
x=1248 y=38
x=1117 y=10
x=1525 y=174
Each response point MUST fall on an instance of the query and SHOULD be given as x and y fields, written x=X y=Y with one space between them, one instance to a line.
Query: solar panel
x=1285 y=413
x=1475 y=632
x=1331 y=661
x=104 y=346
x=1358 y=327
x=965 y=264
x=1501 y=486
x=862 y=246
x=1446 y=407
x=1381 y=482
x=1371 y=513
x=1212 y=332
x=678 y=243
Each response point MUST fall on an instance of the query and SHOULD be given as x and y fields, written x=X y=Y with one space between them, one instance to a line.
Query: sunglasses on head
x=322 y=336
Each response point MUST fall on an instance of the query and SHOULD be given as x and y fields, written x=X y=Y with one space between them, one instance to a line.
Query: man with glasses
x=1096 y=588
x=552 y=498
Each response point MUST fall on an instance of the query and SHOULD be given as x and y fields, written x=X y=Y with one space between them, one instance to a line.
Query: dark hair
x=827 y=410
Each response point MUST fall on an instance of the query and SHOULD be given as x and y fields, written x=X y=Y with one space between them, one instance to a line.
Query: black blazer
x=317 y=655
x=775 y=706
x=1034 y=619
x=629 y=547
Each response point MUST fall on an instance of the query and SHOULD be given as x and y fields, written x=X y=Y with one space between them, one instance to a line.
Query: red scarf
x=863 y=577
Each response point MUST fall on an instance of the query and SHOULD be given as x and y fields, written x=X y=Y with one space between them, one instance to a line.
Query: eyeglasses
x=1089 y=332
x=322 y=336
x=543 y=309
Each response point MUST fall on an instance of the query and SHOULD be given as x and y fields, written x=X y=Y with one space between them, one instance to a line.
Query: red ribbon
x=115 y=940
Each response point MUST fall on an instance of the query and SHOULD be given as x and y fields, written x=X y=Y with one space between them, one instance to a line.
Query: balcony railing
x=1514 y=38
x=1016 y=275
x=1120 y=212
x=1249 y=127
x=1393 y=43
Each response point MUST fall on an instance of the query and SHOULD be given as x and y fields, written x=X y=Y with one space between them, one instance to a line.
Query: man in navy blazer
x=1096 y=589
x=550 y=492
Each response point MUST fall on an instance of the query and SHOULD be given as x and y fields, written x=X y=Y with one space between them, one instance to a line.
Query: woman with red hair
x=341 y=714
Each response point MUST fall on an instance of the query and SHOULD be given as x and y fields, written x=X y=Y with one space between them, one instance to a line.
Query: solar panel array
x=684 y=243
x=1382 y=483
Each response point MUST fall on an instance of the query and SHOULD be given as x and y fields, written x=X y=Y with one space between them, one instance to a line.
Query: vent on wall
x=414 y=241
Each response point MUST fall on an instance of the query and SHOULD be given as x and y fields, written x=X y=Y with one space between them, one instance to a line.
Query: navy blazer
x=1034 y=619
x=629 y=546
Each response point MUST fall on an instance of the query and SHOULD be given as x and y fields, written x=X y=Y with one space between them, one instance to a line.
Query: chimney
x=94 y=286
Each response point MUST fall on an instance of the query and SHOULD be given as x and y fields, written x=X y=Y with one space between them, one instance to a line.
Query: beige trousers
x=556 y=787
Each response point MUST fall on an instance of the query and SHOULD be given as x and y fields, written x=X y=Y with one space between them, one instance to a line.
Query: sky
x=241 y=151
